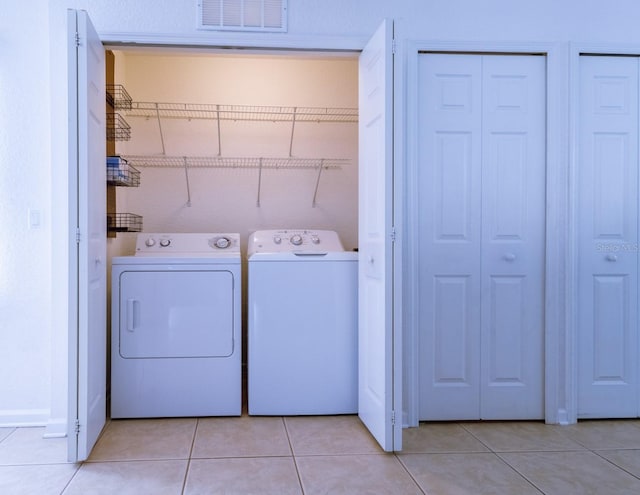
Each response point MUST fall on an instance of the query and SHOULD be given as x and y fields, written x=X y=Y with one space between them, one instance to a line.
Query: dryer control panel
x=293 y=240
x=187 y=244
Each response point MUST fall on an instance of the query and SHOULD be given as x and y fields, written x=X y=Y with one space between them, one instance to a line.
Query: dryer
x=302 y=324
x=176 y=327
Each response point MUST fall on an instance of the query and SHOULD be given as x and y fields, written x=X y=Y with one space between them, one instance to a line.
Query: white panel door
x=608 y=238
x=375 y=279
x=482 y=226
x=87 y=150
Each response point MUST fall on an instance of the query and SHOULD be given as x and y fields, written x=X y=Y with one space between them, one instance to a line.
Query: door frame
x=307 y=44
x=576 y=50
x=558 y=351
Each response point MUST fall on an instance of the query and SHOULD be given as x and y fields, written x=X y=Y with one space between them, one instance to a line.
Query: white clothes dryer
x=176 y=327
x=302 y=324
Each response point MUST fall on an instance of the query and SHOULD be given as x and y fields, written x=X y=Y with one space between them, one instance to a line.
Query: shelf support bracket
x=160 y=129
x=218 y=119
x=315 y=193
x=293 y=127
x=186 y=175
x=259 y=182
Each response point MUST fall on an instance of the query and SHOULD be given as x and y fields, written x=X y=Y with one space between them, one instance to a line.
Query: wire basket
x=124 y=222
x=120 y=173
x=118 y=97
x=117 y=128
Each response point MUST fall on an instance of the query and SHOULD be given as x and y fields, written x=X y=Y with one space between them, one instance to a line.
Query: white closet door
x=482 y=155
x=608 y=237
x=450 y=236
x=513 y=237
x=88 y=340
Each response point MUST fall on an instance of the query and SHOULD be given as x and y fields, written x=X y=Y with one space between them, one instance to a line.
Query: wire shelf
x=117 y=128
x=118 y=97
x=235 y=163
x=121 y=173
x=242 y=112
x=124 y=222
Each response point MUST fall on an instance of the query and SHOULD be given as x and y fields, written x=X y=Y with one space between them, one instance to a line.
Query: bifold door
x=607 y=219
x=482 y=236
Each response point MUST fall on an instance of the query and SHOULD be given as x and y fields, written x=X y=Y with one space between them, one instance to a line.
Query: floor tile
x=246 y=436
x=145 y=439
x=465 y=474
x=629 y=460
x=440 y=437
x=572 y=473
x=328 y=435
x=27 y=446
x=47 y=479
x=247 y=476
x=355 y=474
x=519 y=436
x=613 y=434
x=129 y=478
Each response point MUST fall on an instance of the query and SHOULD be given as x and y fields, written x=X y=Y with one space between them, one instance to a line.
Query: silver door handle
x=612 y=257
x=509 y=257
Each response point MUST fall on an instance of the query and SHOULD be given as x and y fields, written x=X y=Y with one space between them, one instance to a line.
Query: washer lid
x=188 y=245
x=294 y=240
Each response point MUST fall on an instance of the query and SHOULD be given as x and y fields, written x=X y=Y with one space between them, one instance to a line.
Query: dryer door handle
x=133 y=308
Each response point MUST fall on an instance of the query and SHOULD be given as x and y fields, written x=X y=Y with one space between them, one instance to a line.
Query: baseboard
x=14 y=418
x=56 y=428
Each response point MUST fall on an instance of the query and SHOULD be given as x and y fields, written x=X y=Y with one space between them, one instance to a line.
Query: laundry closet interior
x=222 y=140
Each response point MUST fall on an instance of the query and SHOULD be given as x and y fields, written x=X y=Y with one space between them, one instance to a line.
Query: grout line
x=406 y=470
x=193 y=442
x=293 y=456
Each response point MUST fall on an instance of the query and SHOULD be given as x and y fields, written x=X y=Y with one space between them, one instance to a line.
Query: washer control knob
x=165 y=242
x=296 y=239
x=223 y=242
x=315 y=239
x=277 y=239
x=150 y=242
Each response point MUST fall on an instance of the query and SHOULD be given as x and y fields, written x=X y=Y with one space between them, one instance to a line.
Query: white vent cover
x=243 y=15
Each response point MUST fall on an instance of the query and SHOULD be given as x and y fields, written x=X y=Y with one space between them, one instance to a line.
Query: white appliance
x=176 y=327
x=302 y=324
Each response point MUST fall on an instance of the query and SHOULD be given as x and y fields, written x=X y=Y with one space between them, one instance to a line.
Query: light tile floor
x=327 y=455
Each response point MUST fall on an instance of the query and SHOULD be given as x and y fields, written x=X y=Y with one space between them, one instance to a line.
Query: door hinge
x=393 y=234
x=77 y=236
x=77 y=427
x=77 y=39
x=393 y=418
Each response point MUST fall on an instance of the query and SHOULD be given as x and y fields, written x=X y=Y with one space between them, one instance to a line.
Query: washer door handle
x=133 y=308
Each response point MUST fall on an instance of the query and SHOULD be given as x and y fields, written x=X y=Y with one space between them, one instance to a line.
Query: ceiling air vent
x=243 y=15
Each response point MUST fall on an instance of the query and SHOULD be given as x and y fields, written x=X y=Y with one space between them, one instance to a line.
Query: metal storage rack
x=219 y=113
x=124 y=222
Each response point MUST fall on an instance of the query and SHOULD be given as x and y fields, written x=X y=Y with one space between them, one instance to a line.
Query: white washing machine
x=302 y=324
x=176 y=327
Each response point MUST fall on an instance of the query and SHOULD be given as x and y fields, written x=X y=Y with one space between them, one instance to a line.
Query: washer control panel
x=294 y=240
x=187 y=244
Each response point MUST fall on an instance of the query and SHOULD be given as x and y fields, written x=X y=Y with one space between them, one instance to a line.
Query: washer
x=176 y=327
x=302 y=324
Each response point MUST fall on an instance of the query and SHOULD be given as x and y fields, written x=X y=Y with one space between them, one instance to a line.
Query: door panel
x=87 y=150
x=608 y=238
x=513 y=237
x=377 y=394
x=482 y=156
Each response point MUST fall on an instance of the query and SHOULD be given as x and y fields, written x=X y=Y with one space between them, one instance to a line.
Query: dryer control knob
x=223 y=242
x=277 y=239
x=165 y=242
x=150 y=242
x=315 y=239
x=296 y=239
